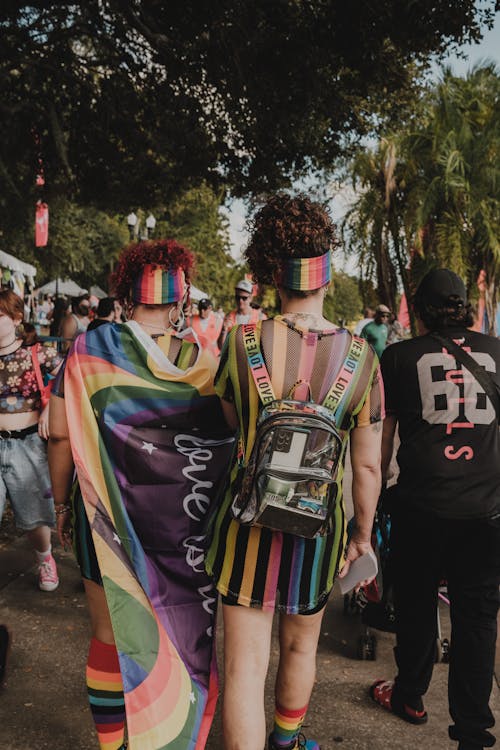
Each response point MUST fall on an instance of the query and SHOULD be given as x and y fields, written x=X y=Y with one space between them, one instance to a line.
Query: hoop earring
x=129 y=309
x=178 y=324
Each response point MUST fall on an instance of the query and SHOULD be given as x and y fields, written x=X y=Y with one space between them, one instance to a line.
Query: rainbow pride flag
x=151 y=450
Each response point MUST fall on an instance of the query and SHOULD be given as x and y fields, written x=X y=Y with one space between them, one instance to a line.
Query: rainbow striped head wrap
x=157 y=285
x=306 y=274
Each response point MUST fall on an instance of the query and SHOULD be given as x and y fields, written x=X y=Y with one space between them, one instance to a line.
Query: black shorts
x=321 y=605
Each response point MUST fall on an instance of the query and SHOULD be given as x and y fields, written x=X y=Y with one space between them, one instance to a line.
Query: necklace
x=151 y=325
x=7 y=345
x=301 y=314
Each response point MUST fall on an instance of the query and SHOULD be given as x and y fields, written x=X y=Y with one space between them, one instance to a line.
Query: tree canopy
x=128 y=105
x=429 y=194
x=194 y=218
x=84 y=242
x=124 y=100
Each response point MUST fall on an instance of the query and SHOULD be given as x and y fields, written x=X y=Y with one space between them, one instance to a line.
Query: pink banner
x=41 y=224
x=403 y=315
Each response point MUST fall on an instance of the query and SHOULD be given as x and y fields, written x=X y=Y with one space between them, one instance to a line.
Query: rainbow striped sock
x=287 y=724
x=105 y=691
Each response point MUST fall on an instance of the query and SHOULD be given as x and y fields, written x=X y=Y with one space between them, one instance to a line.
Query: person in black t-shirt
x=106 y=313
x=446 y=516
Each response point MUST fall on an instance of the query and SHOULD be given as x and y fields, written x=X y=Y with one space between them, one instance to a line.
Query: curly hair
x=167 y=253
x=287 y=227
x=437 y=318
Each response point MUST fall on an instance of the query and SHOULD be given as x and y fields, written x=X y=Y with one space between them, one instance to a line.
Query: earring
x=179 y=323
x=19 y=331
x=129 y=309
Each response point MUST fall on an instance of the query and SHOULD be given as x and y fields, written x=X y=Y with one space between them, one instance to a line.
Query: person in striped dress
x=257 y=570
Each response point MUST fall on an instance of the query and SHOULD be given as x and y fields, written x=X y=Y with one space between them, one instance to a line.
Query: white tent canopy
x=67 y=287
x=196 y=294
x=96 y=291
x=14 y=264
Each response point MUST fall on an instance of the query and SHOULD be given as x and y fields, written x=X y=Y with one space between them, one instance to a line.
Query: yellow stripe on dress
x=252 y=551
x=225 y=575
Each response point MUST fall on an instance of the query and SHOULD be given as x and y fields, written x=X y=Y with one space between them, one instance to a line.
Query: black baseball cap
x=441 y=287
x=204 y=303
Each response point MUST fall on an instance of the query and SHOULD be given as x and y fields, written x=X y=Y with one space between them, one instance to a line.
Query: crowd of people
x=196 y=455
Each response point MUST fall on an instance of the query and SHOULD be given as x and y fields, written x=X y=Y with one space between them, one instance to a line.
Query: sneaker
x=381 y=692
x=4 y=650
x=48 y=580
x=300 y=743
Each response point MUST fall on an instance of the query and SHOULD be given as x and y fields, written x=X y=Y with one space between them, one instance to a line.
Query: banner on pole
x=41 y=224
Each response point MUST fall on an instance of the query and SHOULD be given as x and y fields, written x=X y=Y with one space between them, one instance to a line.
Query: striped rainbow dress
x=151 y=448
x=255 y=566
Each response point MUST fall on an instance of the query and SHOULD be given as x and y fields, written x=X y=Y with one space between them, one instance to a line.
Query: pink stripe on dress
x=273 y=569
x=306 y=364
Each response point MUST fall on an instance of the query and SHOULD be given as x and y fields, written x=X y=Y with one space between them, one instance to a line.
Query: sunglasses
x=385 y=315
x=239 y=297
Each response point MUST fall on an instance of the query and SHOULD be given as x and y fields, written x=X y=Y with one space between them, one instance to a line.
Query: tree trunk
x=491 y=303
x=403 y=272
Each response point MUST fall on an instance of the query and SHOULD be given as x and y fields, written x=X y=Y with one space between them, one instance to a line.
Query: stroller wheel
x=367 y=648
x=351 y=605
x=445 y=649
x=442 y=654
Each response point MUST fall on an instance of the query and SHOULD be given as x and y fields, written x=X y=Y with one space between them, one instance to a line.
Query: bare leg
x=99 y=613
x=299 y=636
x=104 y=682
x=247 y=643
x=39 y=538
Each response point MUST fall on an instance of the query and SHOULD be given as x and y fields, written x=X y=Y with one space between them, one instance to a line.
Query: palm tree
x=430 y=196
x=373 y=227
x=454 y=207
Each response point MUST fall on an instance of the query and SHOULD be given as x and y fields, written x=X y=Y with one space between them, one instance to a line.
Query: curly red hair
x=166 y=253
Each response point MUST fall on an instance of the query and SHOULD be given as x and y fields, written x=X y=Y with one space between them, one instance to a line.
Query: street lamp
x=150 y=225
x=132 y=224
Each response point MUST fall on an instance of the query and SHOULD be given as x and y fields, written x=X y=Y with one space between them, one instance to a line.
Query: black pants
x=426 y=549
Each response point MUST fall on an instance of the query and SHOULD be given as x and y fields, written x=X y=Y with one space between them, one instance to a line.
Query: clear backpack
x=289 y=483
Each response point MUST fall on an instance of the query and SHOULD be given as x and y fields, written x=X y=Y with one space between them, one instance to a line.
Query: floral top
x=19 y=390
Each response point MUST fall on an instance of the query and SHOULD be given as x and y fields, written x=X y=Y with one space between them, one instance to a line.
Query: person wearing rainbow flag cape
x=257 y=569
x=131 y=414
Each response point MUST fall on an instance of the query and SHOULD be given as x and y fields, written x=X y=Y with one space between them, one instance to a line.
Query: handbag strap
x=36 y=367
x=337 y=392
x=483 y=378
x=261 y=377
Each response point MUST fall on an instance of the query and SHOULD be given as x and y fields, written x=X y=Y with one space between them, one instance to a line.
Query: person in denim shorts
x=24 y=475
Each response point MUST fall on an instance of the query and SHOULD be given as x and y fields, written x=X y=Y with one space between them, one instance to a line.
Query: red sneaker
x=381 y=693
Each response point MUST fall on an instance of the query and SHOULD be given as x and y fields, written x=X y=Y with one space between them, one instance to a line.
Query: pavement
x=43 y=702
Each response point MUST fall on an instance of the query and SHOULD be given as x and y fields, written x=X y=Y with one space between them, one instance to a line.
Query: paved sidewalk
x=43 y=704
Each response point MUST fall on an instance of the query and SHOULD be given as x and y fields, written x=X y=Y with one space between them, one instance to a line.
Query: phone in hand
x=363 y=567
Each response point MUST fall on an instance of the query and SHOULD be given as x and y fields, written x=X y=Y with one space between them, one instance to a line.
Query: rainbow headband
x=156 y=285
x=306 y=274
